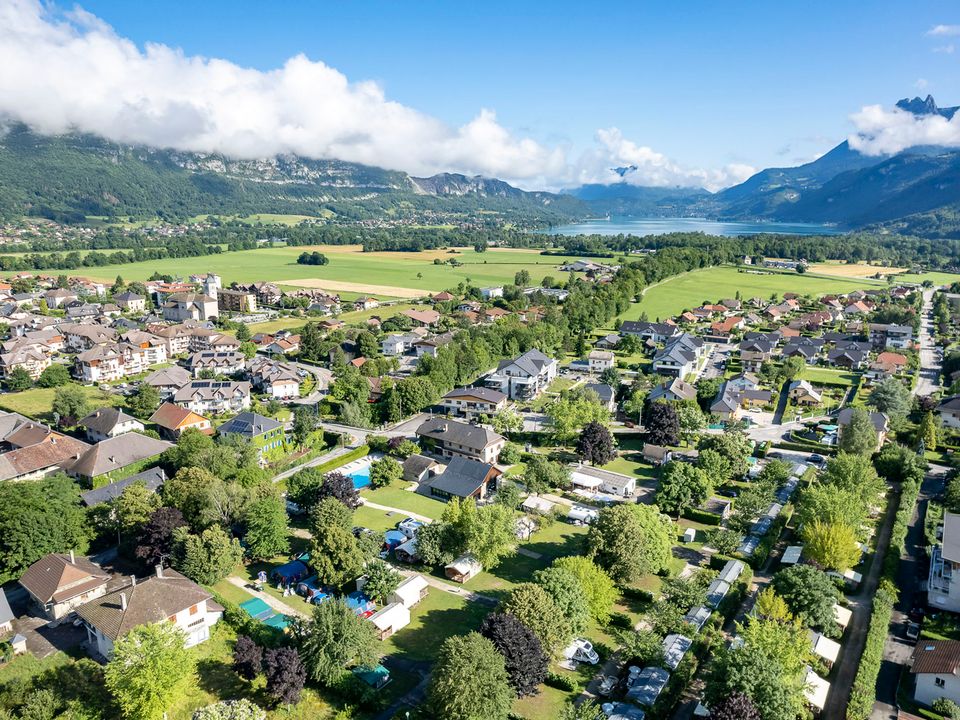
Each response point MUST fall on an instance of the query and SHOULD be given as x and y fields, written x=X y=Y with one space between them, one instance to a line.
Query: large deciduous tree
x=247 y=658
x=682 y=486
x=600 y=590
x=629 y=541
x=735 y=706
x=831 y=545
x=663 y=424
x=155 y=541
x=567 y=592
x=266 y=523
x=859 y=436
x=286 y=675
x=809 y=593
x=487 y=695
x=526 y=662
x=208 y=557
x=334 y=638
x=535 y=608
x=381 y=581
x=596 y=445
x=148 y=669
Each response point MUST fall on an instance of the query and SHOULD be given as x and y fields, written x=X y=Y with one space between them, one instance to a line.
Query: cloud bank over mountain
x=886 y=131
x=70 y=71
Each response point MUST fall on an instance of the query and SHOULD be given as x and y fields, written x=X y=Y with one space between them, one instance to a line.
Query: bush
x=562 y=682
x=702 y=516
x=946 y=707
x=863 y=693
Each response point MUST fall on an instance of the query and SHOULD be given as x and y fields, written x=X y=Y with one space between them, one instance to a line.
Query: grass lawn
x=349 y=264
x=375 y=519
x=829 y=376
x=397 y=497
x=937 y=278
x=437 y=617
x=37 y=402
x=689 y=290
x=546 y=705
x=26 y=666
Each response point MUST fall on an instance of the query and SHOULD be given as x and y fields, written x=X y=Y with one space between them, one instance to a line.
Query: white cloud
x=883 y=131
x=944 y=30
x=921 y=84
x=70 y=71
x=945 y=49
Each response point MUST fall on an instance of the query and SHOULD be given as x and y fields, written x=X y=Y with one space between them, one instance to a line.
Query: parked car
x=607 y=684
x=913 y=630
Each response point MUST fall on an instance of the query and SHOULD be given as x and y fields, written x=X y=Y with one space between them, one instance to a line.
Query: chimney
x=123 y=601
x=160 y=570
x=73 y=560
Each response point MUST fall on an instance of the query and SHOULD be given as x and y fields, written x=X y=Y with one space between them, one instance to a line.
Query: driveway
x=928 y=380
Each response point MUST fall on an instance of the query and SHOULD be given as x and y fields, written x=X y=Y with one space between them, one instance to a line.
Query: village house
x=674 y=390
x=109 y=422
x=723 y=329
x=524 y=377
x=472 y=402
x=151 y=479
x=175 y=337
x=887 y=364
x=949 y=411
x=886 y=336
x=422 y=318
x=655 y=331
x=277 y=379
x=31 y=450
x=936 y=671
x=261 y=432
x=59 y=583
x=461 y=478
x=78 y=337
x=117 y=454
x=154 y=347
x=165 y=596
x=879 y=420
x=430 y=347
x=172 y=421
x=600 y=360
x=755 y=352
x=802 y=392
x=451 y=439
x=130 y=302
x=679 y=357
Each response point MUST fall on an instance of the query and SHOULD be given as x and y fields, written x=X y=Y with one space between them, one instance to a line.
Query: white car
x=581 y=650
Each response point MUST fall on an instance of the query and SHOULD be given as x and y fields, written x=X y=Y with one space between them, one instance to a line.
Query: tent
x=290 y=572
x=257 y=609
x=280 y=622
x=393 y=538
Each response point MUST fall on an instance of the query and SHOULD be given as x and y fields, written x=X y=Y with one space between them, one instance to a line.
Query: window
x=194 y=609
x=940 y=682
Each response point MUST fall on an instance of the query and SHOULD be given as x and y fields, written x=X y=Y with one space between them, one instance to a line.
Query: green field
x=37 y=402
x=348 y=265
x=709 y=285
x=937 y=278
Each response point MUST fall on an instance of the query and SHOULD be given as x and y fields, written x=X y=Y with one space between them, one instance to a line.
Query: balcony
x=941 y=572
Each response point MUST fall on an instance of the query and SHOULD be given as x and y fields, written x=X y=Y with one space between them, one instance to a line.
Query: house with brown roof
x=172 y=420
x=29 y=358
x=168 y=380
x=166 y=596
x=472 y=402
x=34 y=451
x=100 y=363
x=59 y=583
x=886 y=365
x=936 y=670
x=423 y=318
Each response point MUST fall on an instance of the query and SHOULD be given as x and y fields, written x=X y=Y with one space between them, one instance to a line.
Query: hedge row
x=342 y=460
x=702 y=516
x=863 y=693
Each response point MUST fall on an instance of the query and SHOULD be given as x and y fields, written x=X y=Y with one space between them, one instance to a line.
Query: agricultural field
x=853 y=270
x=37 y=402
x=689 y=290
x=350 y=269
x=937 y=278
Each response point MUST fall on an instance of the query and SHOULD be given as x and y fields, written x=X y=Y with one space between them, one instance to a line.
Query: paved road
x=929 y=379
x=913 y=565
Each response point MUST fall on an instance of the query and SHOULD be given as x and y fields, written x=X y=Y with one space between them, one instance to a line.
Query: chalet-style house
x=450 y=438
x=472 y=402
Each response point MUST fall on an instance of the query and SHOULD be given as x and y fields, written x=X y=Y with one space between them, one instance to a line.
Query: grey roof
x=683 y=390
x=469 y=436
x=716 y=592
x=6 y=614
x=106 y=419
x=531 y=362
x=249 y=424
x=879 y=419
x=642 y=327
x=951 y=537
x=604 y=391
x=675 y=646
x=415 y=465
x=483 y=393
x=731 y=571
x=127 y=296
x=152 y=479
x=462 y=477
x=169 y=376
x=210 y=389
x=118 y=452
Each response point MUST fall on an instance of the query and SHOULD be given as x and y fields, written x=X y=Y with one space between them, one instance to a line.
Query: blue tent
x=393 y=538
x=359 y=603
x=257 y=609
x=280 y=622
x=289 y=571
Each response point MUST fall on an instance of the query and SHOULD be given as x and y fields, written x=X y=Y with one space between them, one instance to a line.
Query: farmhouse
x=117 y=453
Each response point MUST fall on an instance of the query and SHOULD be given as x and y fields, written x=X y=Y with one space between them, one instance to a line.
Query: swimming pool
x=360 y=477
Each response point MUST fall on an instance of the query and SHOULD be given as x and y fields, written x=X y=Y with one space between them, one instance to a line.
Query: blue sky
x=707 y=85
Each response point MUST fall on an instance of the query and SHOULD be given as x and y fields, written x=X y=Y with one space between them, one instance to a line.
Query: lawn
x=829 y=376
x=437 y=617
x=378 y=520
x=692 y=289
x=348 y=264
x=397 y=497
x=937 y=278
x=37 y=402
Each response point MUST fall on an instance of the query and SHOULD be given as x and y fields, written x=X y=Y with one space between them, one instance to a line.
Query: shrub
x=562 y=682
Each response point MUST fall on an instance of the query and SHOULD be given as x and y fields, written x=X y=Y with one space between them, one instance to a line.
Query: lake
x=660 y=226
